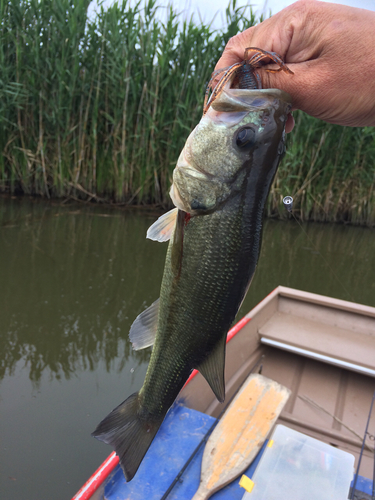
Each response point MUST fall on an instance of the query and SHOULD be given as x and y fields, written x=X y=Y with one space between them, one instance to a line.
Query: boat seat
x=329 y=343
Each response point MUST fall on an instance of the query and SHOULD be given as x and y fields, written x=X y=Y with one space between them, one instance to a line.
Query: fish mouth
x=245 y=100
x=232 y=105
x=191 y=172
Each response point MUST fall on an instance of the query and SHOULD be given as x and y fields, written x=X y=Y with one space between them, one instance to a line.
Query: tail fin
x=129 y=434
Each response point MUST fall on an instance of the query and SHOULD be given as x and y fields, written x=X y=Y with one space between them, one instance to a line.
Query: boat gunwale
x=313 y=298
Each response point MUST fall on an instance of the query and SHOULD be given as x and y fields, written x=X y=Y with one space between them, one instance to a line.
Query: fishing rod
x=259 y=363
x=360 y=456
x=288 y=204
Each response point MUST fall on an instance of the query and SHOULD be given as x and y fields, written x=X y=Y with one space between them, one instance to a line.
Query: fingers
x=273 y=34
x=288 y=34
x=313 y=38
x=235 y=49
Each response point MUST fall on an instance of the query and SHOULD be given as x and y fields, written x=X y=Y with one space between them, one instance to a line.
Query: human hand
x=331 y=50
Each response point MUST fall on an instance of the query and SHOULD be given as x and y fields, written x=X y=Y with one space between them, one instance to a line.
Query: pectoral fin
x=212 y=368
x=143 y=330
x=163 y=228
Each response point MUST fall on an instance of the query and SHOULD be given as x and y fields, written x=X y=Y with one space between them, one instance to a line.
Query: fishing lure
x=243 y=74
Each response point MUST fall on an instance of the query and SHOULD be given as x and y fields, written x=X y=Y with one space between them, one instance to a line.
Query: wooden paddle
x=240 y=433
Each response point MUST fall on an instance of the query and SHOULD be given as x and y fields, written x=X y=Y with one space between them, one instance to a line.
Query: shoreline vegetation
x=98 y=109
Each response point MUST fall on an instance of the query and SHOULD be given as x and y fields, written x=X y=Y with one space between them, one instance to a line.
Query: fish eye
x=245 y=137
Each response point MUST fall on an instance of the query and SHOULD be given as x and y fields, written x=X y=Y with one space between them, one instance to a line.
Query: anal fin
x=212 y=369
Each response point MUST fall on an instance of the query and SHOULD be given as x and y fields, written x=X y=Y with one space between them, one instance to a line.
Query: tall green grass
x=330 y=172
x=99 y=109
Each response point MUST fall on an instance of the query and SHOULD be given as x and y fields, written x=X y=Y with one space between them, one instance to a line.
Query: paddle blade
x=241 y=432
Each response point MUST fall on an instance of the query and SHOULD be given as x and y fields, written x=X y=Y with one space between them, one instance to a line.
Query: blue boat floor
x=181 y=432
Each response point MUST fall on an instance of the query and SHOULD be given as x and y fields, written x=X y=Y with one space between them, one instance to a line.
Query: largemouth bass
x=220 y=186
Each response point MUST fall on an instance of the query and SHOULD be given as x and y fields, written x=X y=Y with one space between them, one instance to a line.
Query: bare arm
x=331 y=50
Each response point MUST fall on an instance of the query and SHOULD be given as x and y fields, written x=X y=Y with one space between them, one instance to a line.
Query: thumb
x=273 y=79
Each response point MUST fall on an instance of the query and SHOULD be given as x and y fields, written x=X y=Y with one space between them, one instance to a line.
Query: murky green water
x=72 y=279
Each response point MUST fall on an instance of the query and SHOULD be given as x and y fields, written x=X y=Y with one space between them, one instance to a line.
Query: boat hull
x=327 y=360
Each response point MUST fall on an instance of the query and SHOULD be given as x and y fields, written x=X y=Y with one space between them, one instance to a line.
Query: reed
x=99 y=109
x=330 y=172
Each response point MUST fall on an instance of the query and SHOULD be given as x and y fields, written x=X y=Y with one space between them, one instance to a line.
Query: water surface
x=73 y=278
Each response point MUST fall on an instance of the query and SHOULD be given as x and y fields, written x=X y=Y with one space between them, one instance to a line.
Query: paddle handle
x=202 y=493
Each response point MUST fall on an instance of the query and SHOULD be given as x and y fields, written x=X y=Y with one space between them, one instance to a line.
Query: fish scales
x=220 y=187
x=200 y=307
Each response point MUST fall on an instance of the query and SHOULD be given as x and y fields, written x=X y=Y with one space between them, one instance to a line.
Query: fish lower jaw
x=176 y=198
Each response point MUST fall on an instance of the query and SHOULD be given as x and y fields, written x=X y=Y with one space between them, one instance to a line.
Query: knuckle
x=239 y=42
x=304 y=6
x=231 y=42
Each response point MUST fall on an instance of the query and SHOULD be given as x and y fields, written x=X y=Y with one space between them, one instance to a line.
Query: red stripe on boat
x=237 y=327
x=101 y=474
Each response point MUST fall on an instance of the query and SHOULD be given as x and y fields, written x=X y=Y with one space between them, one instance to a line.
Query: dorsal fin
x=163 y=228
x=212 y=369
x=143 y=330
